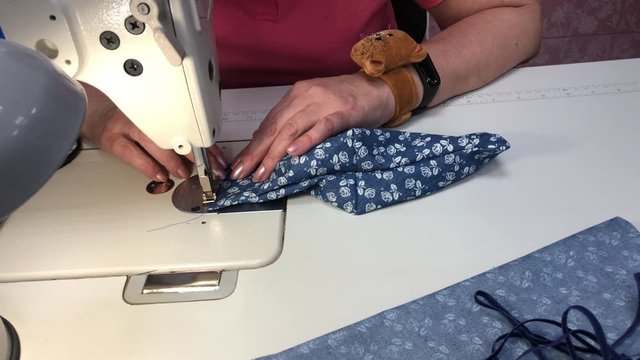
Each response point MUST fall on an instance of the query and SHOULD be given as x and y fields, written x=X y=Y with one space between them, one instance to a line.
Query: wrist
x=382 y=96
x=388 y=55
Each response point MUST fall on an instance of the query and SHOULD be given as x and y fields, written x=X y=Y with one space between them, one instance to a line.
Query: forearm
x=98 y=107
x=491 y=38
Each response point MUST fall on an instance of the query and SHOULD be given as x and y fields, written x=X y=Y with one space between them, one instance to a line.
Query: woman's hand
x=312 y=111
x=109 y=128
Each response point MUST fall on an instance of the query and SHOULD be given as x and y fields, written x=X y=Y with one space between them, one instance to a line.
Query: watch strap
x=430 y=82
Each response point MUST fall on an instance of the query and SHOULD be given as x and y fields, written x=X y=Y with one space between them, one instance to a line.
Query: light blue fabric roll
x=593 y=268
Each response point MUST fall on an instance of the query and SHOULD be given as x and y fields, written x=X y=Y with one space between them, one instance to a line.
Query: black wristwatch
x=430 y=82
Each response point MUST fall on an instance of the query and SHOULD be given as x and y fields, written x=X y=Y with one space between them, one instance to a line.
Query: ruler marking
x=562 y=92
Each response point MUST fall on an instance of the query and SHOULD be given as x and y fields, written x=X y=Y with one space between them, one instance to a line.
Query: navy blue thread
x=564 y=343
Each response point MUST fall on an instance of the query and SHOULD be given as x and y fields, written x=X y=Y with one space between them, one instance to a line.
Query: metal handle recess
x=179 y=287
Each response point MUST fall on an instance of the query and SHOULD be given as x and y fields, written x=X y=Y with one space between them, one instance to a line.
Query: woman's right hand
x=109 y=128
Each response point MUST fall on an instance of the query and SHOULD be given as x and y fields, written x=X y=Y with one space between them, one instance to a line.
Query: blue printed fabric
x=362 y=170
x=593 y=268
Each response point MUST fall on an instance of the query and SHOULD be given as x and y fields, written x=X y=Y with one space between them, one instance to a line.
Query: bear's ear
x=418 y=54
x=358 y=54
x=374 y=68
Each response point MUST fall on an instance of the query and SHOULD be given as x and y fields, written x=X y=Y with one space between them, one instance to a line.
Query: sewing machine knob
x=152 y=12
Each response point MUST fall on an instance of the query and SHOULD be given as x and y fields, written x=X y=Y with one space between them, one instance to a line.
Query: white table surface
x=573 y=163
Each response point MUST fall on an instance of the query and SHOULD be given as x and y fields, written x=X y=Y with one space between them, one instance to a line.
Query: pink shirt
x=277 y=42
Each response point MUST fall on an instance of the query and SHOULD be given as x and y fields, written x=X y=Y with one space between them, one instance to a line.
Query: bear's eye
x=390 y=35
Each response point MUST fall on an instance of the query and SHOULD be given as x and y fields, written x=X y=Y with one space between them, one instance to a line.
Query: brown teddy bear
x=384 y=55
x=385 y=51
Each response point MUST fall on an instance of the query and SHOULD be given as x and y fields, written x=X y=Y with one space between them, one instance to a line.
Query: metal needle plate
x=187 y=197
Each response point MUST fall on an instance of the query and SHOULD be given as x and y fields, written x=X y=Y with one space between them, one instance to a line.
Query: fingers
x=294 y=139
x=109 y=128
x=171 y=161
x=312 y=111
x=290 y=130
x=113 y=132
x=250 y=156
x=130 y=152
x=218 y=162
x=254 y=152
x=328 y=126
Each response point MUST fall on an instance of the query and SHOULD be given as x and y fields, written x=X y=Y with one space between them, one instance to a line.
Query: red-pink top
x=278 y=42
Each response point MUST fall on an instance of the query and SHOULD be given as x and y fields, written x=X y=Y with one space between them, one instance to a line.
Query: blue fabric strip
x=362 y=170
x=1 y=33
x=592 y=271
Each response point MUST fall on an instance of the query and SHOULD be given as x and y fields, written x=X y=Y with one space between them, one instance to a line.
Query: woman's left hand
x=309 y=113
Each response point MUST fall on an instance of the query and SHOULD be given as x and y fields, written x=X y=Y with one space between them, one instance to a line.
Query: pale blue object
x=41 y=111
x=593 y=268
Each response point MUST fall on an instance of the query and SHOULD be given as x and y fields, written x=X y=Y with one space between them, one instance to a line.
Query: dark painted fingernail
x=222 y=162
x=161 y=177
x=235 y=162
x=221 y=174
x=259 y=175
x=237 y=171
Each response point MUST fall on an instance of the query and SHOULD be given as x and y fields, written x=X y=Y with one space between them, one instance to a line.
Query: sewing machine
x=156 y=60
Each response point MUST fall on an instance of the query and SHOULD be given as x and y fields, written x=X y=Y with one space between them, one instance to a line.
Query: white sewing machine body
x=176 y=104
x=95 y=217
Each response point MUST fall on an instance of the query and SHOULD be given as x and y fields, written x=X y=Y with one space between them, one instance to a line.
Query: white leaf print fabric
x=362 y=170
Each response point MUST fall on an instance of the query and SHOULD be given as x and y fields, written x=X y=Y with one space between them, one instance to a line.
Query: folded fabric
x=593 y=268
x=362 y=170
